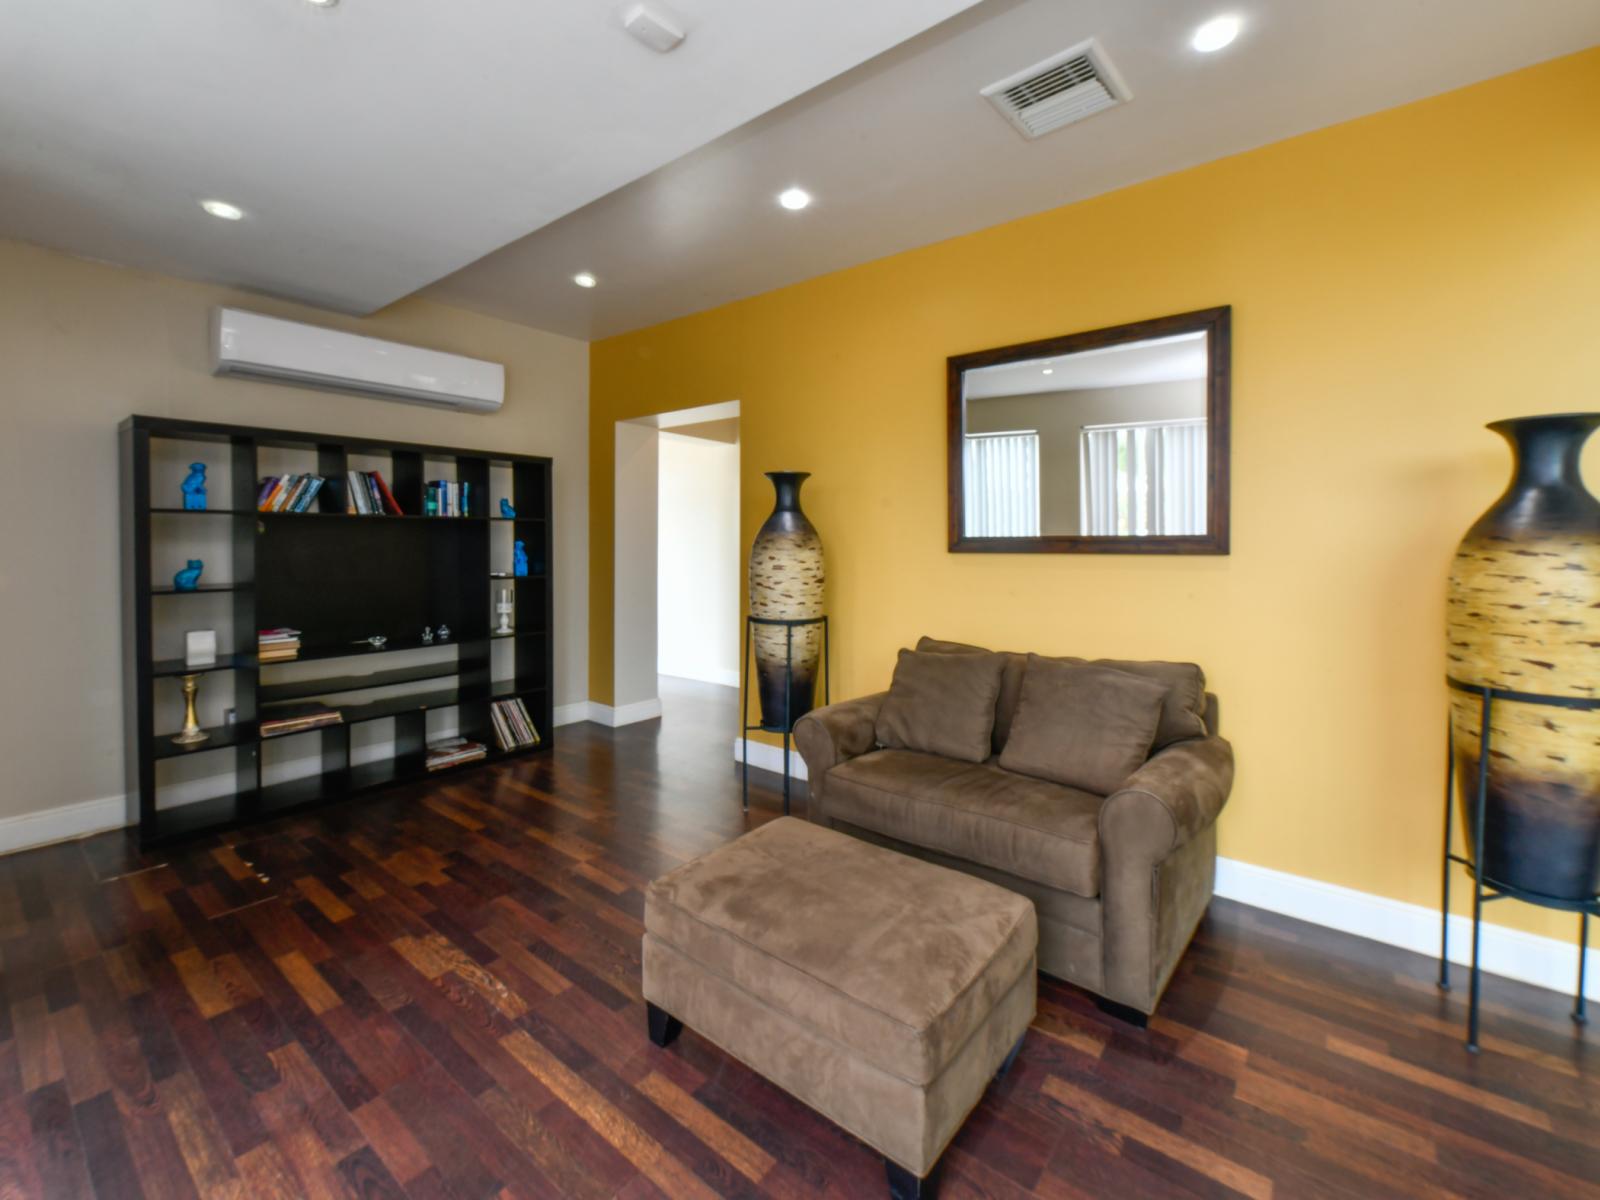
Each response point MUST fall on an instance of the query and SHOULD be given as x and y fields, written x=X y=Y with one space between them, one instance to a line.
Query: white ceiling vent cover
x=1064 y=88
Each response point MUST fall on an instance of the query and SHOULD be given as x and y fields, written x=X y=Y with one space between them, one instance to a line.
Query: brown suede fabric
x=941 y=704
x=1084 y=727
x=897 y=960
x=828 y=736
x=1010 y=682
x=908 y=1123
x=1027 y=827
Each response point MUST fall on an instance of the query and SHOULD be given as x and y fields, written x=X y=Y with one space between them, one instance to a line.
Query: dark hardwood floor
x=434 y=993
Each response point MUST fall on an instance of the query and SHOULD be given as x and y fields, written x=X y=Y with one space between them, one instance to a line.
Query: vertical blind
x=1000 y=473
x=1143 y=478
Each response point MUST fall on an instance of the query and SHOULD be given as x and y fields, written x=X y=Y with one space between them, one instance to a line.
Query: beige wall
x=83 y=345
x=1059 y=418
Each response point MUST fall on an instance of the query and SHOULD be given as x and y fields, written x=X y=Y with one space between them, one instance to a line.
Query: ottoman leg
x=1011 y=1057
x=903 y=1185
x=1123 y=1012
x=664 y=1027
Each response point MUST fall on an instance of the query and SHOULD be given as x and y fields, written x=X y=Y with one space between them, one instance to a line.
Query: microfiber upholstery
x=1081 y=726
x=1027 y=827
x=941 y=704
x=899 y=961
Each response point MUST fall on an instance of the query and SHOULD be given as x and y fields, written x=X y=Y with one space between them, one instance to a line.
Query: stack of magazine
x=454 y=752
x=298 y=718
x=513 y=728
x=278 y=645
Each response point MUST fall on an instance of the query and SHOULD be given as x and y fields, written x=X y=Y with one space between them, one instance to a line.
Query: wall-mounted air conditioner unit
x=253 y=346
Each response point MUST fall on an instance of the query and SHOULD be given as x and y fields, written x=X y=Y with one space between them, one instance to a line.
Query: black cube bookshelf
x=340 y=577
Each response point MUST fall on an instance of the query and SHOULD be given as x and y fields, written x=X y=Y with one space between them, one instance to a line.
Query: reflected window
x=1143 y=478
x=1001 y=477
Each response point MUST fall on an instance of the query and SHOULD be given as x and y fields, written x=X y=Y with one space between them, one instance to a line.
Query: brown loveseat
x=1119 y=882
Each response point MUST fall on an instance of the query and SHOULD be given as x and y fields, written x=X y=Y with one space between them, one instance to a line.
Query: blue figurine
x=188 y=579
x=519 y=561
x=194 y=488
x=505 y=508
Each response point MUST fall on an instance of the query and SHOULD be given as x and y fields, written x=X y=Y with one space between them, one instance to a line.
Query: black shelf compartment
x=338 y=579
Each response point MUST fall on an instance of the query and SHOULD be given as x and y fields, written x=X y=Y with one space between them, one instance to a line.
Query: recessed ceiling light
x=584 y=279
x=221 y=208
x=322 y=3
x=794 y=199
x=1215 y=34
x=1049 y=371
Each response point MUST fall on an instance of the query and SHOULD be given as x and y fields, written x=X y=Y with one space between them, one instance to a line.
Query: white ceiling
x=902 y=151
x=380 y=144
x=1157 y=360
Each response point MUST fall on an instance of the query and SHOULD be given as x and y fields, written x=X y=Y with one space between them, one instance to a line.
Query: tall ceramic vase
x=786 y=583
x=1524 y=615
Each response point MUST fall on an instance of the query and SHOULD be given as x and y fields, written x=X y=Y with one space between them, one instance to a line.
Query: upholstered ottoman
x=880 y=990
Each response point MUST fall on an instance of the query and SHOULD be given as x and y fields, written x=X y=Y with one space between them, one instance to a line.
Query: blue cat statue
x=194 y=488
x=505 y=508
x=519 y=559
x=188 y=579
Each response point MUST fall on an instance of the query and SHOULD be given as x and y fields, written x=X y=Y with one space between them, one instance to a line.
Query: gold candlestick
x=192 y=734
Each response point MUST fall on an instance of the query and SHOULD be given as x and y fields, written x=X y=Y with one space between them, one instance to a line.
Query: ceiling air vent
x=1064 y=88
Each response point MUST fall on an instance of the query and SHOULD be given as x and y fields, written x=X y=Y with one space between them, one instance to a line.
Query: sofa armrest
x=1158 y=863
x=828 y=736
x=1175 y=796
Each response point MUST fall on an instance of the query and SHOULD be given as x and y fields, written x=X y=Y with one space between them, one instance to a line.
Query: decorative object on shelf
x=1524 y=616
x=504 y=607
x=230 y=716
x=443 y=633
x=519 y=559
x=192 y=734
x=194 y=488
x=377 y=641
x=506 y=510
x=200 y=648
x=188 y=579
x=1523 y=621
x=786 y=579
x=427 y=635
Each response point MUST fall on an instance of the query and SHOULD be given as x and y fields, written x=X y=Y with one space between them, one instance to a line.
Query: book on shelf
x=453 y=753
x=285 y=719
x=369 y=496
x=288 y=493
x=447 y=498
x=513 y=727
x=278 y=645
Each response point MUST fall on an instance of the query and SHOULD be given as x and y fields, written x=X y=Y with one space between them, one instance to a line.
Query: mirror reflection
x=1106 y=442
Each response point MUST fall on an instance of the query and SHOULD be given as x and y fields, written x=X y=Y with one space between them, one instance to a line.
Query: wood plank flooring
x=434 y=994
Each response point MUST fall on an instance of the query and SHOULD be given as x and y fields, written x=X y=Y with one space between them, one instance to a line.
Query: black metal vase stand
x=787 y=728
x=1485 y=889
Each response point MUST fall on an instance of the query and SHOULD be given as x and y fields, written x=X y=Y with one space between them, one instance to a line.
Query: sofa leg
x=664 y=1027
x=903 y=1185
x=1011 y=1057
x=1123 y=1012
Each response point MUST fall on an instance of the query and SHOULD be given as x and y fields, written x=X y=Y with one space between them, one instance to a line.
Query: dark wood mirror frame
x=1216 y=324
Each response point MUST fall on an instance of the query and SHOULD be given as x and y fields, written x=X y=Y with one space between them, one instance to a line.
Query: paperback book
x=454 y=752
x=288 y=493
x=513 y=728
x=283 y=720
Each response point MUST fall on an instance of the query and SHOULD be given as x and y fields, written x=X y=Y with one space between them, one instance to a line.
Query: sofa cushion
x=1182 y=714
x=941 y=704
x=1085 y=727
x=1027 y=827
x=897 y=959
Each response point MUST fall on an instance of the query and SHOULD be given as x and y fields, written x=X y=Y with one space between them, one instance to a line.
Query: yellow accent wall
x=1396 y=282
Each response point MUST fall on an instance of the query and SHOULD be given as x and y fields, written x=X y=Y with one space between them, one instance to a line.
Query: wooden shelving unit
x=339 y=578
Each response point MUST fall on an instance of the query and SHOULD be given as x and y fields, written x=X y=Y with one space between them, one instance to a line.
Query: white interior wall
x=634 y=693
x=697 y=562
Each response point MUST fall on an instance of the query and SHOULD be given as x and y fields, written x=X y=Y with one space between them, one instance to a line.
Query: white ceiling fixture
x=907 y=156
x=412 y=141
x=794 y=199
x=222 y=209
x=1064 y=88
x=654 y=27
x=323 y=3
x=1215 y=34
x=584 y=279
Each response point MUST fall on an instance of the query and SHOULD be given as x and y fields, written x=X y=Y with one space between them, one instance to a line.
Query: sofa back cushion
x=941 y=704
x=1084 y=727
x=1182 y=713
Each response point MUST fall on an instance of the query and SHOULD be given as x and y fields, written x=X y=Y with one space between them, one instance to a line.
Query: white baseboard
x=62 y=824
x=625 y=714
x=570 y=714
x=766 y=757
x=1542 y=961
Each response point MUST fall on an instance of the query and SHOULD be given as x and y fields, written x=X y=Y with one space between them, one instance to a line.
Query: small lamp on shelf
x=504 y=607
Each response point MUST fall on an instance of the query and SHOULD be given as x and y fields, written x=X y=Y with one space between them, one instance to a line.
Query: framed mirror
x=1113 y=441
